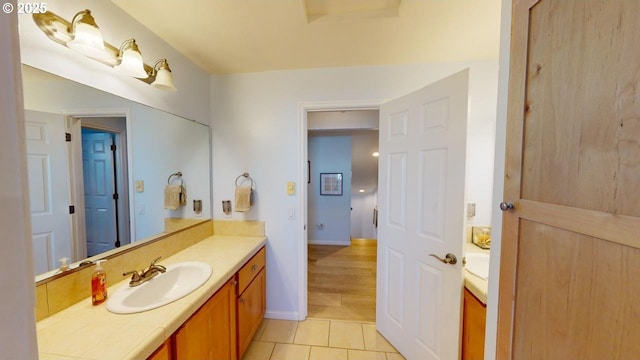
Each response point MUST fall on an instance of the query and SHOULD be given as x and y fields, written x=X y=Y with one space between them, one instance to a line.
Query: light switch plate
x=471 y=210
x=291 y=188
x=139 y=186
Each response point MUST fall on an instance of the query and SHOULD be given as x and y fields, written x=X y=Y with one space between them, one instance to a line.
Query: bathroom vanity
x=224 y=326
x=218 y=319
x=474 y=310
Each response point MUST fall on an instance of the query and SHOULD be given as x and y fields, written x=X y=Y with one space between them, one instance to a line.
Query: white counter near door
x=476 y=285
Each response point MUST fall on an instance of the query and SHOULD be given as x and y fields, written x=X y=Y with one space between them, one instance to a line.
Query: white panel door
x=421 y=204
x=99 y=189
x=48 y=188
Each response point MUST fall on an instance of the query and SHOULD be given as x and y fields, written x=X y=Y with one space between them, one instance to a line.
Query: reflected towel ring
x=246 y=176
x=178 y=174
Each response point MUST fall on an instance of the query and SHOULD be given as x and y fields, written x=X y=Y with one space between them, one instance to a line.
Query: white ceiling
x=239 y=36
x=236 y=36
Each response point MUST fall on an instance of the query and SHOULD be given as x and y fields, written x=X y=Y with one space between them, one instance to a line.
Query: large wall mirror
x=99 y=166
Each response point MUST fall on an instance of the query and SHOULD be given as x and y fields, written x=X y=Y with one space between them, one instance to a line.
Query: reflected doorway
x=104 y=183
x=100 y=194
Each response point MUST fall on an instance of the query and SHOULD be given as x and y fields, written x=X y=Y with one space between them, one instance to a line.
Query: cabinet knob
x=241 y=300
x=254 y=268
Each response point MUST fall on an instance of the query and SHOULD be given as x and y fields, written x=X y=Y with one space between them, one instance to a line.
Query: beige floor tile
x=259 y=350
x=395 y=356
x=312 y=332
x=346 y=335
x=260 y=330
x=366 y=355
x=324 y=353
x=280 y=331
x=374 y=341
x=290 y=352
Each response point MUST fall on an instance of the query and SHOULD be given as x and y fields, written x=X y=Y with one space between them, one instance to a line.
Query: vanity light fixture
x=131 y=62
x=87 y=38
x=82 y=34
x=163 y=78
x=375 y=154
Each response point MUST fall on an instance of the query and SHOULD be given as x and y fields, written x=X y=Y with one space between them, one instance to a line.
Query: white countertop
x=476 y=285
x=83 y=331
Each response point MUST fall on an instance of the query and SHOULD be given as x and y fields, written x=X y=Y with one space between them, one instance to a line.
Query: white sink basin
x=478 y=264
x=178 y=281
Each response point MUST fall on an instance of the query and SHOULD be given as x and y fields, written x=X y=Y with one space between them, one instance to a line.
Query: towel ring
x=178 y=174
x=246 y=176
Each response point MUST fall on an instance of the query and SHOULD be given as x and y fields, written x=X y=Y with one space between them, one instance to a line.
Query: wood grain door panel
x=576 y=296
x=582 y=112
x=570 y=247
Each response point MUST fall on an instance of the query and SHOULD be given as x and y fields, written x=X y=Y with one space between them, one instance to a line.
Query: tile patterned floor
x=319 y=339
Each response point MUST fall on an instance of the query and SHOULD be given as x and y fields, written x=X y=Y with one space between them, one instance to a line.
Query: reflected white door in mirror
x=48 y=188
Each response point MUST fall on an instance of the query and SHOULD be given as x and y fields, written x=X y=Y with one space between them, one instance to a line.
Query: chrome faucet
x=139 y=277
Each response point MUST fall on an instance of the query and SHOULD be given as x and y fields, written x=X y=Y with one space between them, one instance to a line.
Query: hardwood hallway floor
x=342 y=281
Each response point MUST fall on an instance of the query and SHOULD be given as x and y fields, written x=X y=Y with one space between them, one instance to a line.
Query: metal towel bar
x=178 y=174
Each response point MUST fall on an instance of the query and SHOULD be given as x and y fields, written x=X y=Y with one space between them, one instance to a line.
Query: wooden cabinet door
x=473 y=327
x=210 y=333
x=251 y=308
x=570 y=258
x=163 y=352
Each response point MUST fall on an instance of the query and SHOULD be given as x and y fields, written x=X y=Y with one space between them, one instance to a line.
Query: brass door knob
x=448 y=259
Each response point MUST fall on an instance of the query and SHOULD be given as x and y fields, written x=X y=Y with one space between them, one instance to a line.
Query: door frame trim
x=304 y=108
x=76 y=192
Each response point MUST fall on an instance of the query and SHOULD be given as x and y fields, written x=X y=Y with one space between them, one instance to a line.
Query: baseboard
x=281 y=315
x=329 y=242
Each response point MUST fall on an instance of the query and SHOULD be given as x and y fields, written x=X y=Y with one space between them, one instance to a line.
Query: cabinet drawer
x=250 y=270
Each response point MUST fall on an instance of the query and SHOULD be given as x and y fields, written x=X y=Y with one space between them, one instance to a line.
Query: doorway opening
x=100 y=183
x=341 y=197
x=422 y=199
x=100 y=171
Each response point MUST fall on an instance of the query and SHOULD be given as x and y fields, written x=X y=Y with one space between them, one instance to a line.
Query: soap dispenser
x=63 y=264
x=98 y=284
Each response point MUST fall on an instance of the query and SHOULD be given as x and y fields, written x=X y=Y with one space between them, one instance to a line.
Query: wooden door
x=251 y=307
x=48 y=189
x=473 y=327
x=164 y=352
x=421 y=199
x=210 y=334
x=570 y=261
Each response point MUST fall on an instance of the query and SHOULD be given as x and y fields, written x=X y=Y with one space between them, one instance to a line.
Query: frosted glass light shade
x=132 y=64
x=164 y=80
x=88 y=41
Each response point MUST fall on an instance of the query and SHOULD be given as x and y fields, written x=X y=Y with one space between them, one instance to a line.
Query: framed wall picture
x=331 y=184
